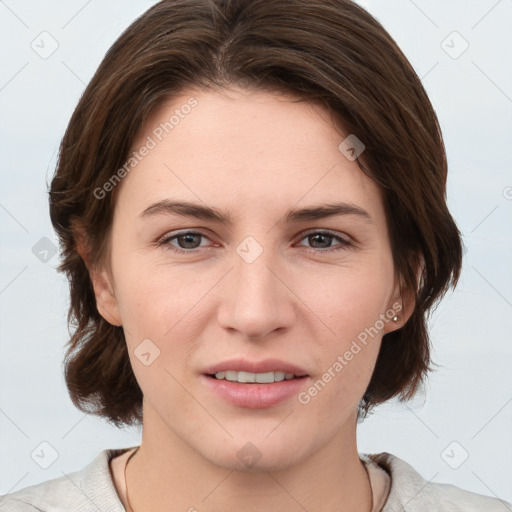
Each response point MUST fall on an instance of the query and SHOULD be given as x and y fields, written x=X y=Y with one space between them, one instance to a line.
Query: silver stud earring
x=395 y=318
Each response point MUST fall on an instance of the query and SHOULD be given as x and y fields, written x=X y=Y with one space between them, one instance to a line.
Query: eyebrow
x=198 y=211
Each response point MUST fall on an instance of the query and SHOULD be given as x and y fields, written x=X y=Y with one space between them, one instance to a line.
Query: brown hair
x=327 y=51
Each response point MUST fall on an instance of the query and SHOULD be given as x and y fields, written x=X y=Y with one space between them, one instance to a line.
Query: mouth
x=255 y=372
x=255 y=384
x=244 y=377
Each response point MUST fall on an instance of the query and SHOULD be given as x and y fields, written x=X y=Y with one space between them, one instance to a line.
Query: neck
x=166 y=474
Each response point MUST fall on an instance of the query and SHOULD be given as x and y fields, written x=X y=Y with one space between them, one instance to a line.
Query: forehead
x=259 y=149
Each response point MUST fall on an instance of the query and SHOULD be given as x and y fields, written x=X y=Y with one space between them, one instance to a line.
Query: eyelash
x=344 y=243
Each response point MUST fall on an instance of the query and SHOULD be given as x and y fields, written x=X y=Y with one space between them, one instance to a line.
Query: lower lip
x=255 y=396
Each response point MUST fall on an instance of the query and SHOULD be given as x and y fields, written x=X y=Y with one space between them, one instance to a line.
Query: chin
x=250 y=459
x=251 y=452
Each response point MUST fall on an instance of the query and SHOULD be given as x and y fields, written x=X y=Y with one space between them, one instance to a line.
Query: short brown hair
x=328 y=51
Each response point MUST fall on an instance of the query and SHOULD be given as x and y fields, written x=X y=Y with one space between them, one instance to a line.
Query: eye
x=187 y=241
x=324 y=240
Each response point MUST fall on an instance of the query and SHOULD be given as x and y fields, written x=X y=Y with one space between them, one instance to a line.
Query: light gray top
x=92 y=490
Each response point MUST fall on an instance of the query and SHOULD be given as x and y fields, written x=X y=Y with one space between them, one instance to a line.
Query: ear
x=102 y=280
x=400 y=307
x=106 y=300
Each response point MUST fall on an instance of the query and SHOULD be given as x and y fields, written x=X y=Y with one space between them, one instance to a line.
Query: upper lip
x=266 y=365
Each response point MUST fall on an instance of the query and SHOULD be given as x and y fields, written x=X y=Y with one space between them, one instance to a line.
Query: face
x=254 y=277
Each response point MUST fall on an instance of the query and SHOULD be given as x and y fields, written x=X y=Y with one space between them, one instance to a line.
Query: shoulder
x=410 y=491
x=79 y=491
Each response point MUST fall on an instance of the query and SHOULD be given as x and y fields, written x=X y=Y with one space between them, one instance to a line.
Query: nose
x=256 y=300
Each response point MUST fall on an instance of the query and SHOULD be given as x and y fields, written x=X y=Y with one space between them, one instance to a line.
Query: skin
x=255 y=155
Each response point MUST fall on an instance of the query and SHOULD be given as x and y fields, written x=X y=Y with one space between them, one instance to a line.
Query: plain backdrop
x=458 y=431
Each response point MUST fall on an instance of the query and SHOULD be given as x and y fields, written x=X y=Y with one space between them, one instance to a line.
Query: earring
x=395 y=318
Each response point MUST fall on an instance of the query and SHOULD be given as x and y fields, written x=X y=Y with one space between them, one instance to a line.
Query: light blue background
x=468 y=400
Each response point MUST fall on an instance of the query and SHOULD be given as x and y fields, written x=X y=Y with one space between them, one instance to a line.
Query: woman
x=250 y=198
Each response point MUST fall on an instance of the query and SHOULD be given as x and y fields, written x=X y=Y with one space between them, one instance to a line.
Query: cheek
x=350 y=309
x=158 y=306
x=349 y=301
x=162 y=305
x=156 y=300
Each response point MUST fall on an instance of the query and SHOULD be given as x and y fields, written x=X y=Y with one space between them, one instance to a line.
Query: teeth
x=231 y=375
x=262 y=378
x=279 y=376
x=265 y=377
x=246 y=377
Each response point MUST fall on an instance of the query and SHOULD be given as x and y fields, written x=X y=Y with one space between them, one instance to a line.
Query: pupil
x=325 y=237
x=188 y=241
